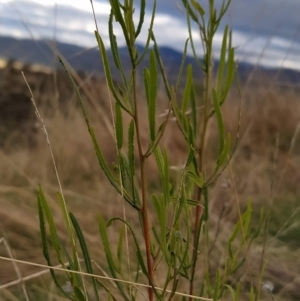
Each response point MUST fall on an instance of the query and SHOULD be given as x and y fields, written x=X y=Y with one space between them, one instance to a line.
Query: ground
x=265 y=165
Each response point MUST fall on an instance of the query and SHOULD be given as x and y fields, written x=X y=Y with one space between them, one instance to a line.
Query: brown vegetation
x=265 y=165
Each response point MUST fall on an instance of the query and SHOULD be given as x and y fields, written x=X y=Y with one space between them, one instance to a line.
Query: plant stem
x=145 y=214
x=198 y=215
x=199 y=208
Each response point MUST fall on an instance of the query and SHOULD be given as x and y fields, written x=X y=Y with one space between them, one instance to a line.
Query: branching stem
x=145 y=215
x=201 y=149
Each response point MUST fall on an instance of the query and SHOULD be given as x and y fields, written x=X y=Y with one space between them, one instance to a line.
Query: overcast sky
x=265 y=32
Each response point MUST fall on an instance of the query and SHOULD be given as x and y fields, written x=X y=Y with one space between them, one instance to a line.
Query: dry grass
x=268 y=113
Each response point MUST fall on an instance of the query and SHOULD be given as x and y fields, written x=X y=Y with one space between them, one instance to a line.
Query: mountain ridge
x=88 y=60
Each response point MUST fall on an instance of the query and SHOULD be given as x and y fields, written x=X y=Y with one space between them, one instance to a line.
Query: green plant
x=177 y=237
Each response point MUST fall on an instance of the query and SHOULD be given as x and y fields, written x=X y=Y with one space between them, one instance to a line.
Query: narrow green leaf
x=79 y=296
x=156 y=235
x=149 y=34
x=137 y=245
x=232 y=238
x=205 y=204
x=44 y=239
x=137 y=274
x=152 y=146
x=161 y=213
x=252 y=294
x=190 y=157
x=237 y=291
x=181 y=201
x=109 y=257
x=192 y=203
x=146 y=76
x=180 y=118
x=166 y=180
x=119 y=126
x=187 y=89
x=125 y=171
x=70 y=229
x=85 y=252
x=115 y=4
x=190 y=14
x=150 y=83
x=116 y=10
x=153 y=77
x=193 y=109
x=224 y=154
x=120 y=247
x=175 y=285
x=131 y=147
x=191 y=132
x=136 y=198
x=222 y=63
x=107 y=72
x=232 y=292
x=198 y=7
x=52 y=227
x=45 y=245
x=115 y=49
x=153 y=81
x=199 y=181
x=230 y=73
x=247 y=219
x=142 y=15
x=109 y=292
x=240 y=263
x=260 y=282
x=189 y=10
x=217 y=287
x=43 y=230
x=128 y=17
x=103 y=232
x=182 y=65
x=161 y=67
x=157 y=206
x=101 y=160
x=116 y=56
x=219 y=120
x=91 y=131
x=105 y=168
x=185 y=264
x=223 y=10
x=260 y=224
x=160 y=162
x=208 y=283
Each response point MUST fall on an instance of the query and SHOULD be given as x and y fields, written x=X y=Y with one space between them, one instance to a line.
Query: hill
x=44 y=52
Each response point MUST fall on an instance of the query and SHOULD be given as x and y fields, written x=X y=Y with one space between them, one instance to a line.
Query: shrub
x=172 y=250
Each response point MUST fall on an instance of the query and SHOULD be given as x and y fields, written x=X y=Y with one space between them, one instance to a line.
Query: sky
x=265 y=32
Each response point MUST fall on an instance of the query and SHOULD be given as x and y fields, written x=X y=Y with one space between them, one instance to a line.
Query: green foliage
x=168 y=246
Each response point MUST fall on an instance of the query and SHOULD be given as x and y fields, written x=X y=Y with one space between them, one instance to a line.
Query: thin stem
x=205 y=118
x=145 y=215
x=58 y=268
x=199 y=208
x=199 y=211
x=64 y=205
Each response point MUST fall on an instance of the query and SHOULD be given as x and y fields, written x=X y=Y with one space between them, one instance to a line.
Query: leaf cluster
x=178 y=230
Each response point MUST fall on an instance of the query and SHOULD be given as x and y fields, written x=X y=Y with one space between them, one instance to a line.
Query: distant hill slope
x=88 y=60
x=81 y=59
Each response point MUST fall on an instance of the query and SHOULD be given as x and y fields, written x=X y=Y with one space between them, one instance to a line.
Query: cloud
x=70 y=21
x=270 y=51
x=265 y=32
